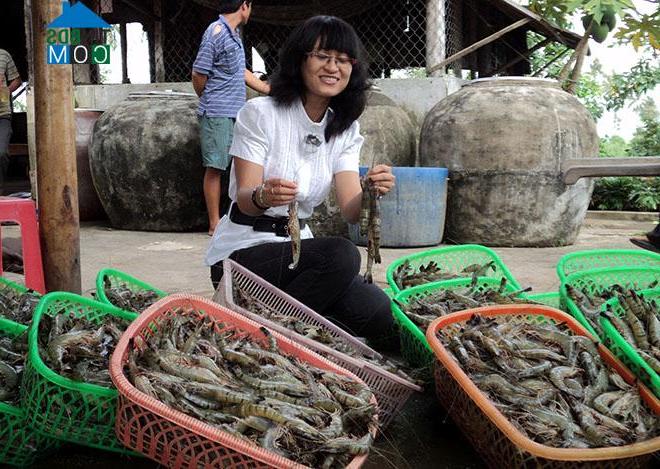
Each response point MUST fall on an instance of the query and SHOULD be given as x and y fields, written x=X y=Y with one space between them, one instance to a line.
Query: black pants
x=326 y=280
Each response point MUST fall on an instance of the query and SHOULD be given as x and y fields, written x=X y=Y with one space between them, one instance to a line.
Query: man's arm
x=253 y=82
x=199 y=82
x=15 y=83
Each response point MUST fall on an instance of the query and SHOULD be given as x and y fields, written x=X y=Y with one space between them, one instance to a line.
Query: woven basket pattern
x=60 y=407
x=20 y=444
x=594 y=281
x=391 y=391
x=605 y=258
x=177 y=440
x=453 y=259
x=414 y=346
x=500 y=443
x=614 y=341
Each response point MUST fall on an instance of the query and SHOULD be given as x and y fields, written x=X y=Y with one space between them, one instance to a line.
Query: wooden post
x=32 y=147
x=124 y=53
x=55 y=126
x=158 y=42
x=436 y=40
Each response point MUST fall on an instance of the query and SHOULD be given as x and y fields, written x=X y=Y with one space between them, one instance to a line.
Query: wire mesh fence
x=394 y=33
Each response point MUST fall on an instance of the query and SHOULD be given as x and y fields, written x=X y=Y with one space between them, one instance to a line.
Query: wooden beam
x=524 y=56
x=158 y=42
x=55 y=126
x=478 y=44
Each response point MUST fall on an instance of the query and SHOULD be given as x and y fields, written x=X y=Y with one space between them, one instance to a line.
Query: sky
x=619 y=59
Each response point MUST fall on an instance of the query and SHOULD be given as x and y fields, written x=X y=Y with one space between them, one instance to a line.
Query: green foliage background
x=631 y=193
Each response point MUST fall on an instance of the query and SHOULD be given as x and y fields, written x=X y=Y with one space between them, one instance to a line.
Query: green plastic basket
x=20 y=444
x=414 y=346
x=605 y=258
x=69 y=410
x=551 y=299
x=119 y=277
x=636 y=278
x=16 y=286
x=453 y=259
x=623 y=350
x=5 y=283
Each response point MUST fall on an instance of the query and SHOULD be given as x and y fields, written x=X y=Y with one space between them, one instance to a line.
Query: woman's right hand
x=276 y=192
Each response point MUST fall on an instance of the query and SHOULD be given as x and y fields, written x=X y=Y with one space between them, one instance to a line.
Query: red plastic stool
x=23 y=212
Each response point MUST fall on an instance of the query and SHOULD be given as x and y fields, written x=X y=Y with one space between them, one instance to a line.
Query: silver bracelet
x=260 y=196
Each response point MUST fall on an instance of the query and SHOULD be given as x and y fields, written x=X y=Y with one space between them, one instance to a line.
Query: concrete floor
x=173 y=262
x=422 y=436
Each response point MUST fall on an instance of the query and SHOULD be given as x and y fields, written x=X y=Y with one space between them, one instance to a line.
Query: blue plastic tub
x=413 y=213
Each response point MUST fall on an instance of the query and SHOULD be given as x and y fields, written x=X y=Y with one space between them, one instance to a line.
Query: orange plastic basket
x=173 y=438
x=495 y=438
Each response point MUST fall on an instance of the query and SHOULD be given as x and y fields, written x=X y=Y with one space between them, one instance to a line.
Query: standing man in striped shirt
x=219 y=77
x=10 y=80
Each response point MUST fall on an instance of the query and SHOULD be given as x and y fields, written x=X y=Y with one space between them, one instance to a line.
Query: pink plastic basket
x=172 y=438
x=392 y=391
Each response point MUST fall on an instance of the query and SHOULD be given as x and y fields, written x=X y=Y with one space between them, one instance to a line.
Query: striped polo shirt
x=8 y=73
x=222 y=59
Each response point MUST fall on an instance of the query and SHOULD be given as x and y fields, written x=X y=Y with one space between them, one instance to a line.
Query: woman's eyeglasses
x=326 y=58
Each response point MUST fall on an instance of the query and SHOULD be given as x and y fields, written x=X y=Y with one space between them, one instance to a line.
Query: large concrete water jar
x=503 y=141
x=146 y=164
x=89 y=205
x=389 y=138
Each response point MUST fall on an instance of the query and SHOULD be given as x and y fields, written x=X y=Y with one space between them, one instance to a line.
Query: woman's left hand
x=381 y=176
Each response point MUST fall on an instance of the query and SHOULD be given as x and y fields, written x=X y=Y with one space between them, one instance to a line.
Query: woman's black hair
x=333 y=33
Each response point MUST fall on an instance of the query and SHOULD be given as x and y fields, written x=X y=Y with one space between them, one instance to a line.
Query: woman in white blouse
x=292 y=145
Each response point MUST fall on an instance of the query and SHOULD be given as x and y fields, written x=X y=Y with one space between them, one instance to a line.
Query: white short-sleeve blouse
x=289 y=145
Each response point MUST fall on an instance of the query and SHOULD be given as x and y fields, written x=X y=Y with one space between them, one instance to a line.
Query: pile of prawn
x=319 y=334
x=422 y=311
x=13 y=351
x=551 y=384
x=18 y=307
x=406 y=276
x=639 y=325
x=77 y=348
x=249 y=388
x=123 y=296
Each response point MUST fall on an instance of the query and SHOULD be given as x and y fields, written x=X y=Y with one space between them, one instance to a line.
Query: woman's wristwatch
x=257 y=198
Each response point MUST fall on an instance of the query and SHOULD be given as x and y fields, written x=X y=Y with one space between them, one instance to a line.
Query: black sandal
x=642 y=243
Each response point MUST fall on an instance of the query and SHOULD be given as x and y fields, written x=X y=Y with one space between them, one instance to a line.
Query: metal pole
x=59 y=224
x=124 y=53
x=436 y=39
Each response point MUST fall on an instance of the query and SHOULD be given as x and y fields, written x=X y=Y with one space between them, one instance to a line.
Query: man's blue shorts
x=215 y=134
